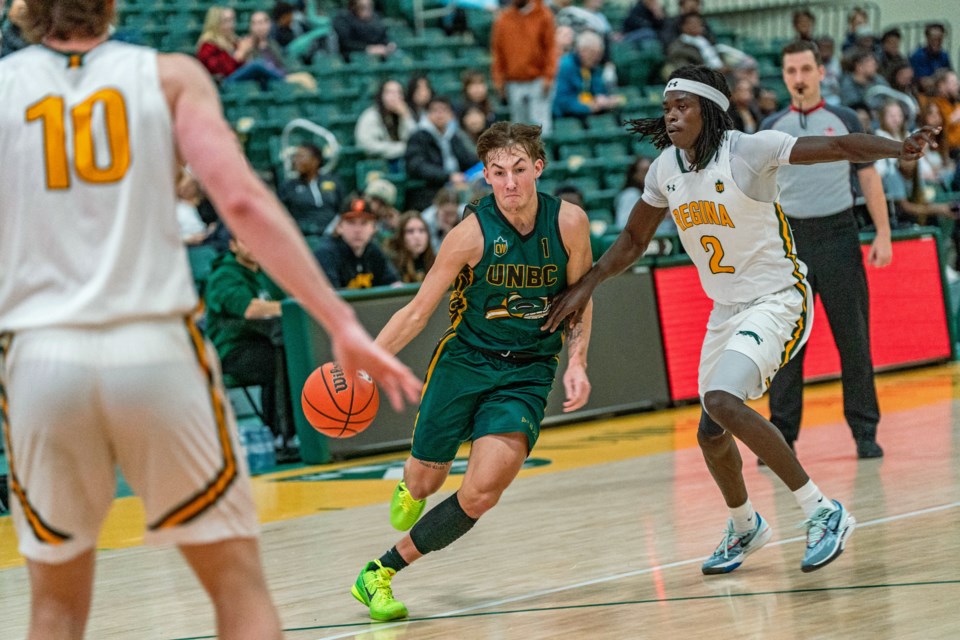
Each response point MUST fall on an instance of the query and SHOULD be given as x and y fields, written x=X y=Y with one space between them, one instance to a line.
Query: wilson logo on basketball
x=339 y=380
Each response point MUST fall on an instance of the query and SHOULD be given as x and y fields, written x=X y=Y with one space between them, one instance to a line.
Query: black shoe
x=868 y=449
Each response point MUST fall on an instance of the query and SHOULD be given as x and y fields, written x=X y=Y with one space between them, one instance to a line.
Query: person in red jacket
x=227 y=56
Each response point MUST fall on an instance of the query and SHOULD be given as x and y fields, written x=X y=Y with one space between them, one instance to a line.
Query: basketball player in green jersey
x=491 y=372
x=720 y=186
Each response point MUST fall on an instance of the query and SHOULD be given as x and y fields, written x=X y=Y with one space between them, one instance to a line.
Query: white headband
x=698 y=89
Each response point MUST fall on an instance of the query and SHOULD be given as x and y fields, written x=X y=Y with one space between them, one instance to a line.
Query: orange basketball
x=337 y=405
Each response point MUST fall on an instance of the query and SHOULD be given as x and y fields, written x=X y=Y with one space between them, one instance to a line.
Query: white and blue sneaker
x=735 y=547
x=827 y=532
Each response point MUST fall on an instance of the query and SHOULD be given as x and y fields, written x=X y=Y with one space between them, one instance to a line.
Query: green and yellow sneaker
x=372 y=588
x=404 y=510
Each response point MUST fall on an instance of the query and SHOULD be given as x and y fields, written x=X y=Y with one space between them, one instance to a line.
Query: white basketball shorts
x=768 y=330
x=144 y=396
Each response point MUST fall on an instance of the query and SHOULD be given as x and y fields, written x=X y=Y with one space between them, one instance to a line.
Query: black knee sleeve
x=441 y=525
x=709 y=426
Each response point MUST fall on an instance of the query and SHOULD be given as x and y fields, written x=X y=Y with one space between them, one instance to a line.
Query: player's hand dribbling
x=354 y=349
x=915 y=143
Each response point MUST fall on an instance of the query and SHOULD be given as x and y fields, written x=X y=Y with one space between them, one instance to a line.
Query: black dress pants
x=830 y=247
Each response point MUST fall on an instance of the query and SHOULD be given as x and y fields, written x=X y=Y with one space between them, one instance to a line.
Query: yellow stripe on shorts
x=41 y=529
x=198 y=503
x=800 y=327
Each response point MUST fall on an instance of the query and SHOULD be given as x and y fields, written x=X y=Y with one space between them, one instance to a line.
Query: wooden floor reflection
x=606 y=542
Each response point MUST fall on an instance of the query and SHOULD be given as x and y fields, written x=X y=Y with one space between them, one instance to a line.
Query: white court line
x=617 y=576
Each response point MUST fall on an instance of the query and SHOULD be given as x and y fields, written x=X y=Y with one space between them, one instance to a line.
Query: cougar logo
x=719 y=186
x=516 y=306
x=750 y=334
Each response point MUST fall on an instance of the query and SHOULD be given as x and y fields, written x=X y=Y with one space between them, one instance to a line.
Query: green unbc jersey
x=500 y=304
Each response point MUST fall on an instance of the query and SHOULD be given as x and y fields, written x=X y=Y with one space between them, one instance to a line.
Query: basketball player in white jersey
x=720 y=186
x=100 y=364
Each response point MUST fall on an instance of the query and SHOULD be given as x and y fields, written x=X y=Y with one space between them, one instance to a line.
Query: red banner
x=908 y=320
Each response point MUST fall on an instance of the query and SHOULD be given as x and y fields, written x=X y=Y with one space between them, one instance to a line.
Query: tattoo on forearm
x=574 y=332
x=439 y=466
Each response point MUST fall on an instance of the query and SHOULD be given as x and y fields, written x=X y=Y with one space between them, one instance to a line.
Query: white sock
x=744 y=517
x=810 y=498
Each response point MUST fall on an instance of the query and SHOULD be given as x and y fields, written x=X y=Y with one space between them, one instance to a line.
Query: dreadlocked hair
x=716 y=121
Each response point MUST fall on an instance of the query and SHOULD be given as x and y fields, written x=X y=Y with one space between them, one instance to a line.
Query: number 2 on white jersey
x=51 y=111
x=712 y=246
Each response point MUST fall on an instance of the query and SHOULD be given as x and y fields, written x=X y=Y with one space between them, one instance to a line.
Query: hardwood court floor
x=602 y=540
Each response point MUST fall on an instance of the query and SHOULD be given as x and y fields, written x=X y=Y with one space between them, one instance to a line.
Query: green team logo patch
x=750 y=334
x=499 y=247
x=389 y=471
x=516 y=306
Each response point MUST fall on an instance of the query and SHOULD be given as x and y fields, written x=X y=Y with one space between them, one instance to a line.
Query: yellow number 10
x=51 y=111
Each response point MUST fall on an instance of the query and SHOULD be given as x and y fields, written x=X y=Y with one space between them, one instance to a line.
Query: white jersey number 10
x=51 y=111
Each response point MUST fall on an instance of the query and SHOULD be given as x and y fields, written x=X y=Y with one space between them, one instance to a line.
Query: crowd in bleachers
x=404 y=108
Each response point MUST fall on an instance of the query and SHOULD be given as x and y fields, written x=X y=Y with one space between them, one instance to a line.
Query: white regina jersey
x=743 y=248
x=88 y=226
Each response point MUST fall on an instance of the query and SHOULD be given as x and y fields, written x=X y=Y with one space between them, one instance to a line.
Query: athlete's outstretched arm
x=207 y=144
x=463 y=246
x=626 y=249
x=575 y=231
x=861 y=147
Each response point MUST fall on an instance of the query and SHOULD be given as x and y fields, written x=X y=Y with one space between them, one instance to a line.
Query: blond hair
x=211 y=31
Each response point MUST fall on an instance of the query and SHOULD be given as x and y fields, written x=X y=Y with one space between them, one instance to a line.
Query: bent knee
x=721 y=406
x=476 y=503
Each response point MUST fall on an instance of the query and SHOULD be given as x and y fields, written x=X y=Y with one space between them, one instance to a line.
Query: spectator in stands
x=804 y=22
x=228 y=57
x=476 y=94
x=384 y=127
x=644 y=23
x=418 y=94
x=743 y=107
x=193 y=230
x=692 y=47
x=313 y=199
x=410 y=248
x=890 y=54
x=381 y=197
x=443 y=214
x=473 y=122
x=360 y=30
x=581 y=90
x=830 y=85
x=285 y=28
x=588 y=17
x=861 y=77
x=11 y=34
x=350 y=259
x=563 y=39
x=243 y=322
x=900 y=78
x=927 y=59
x=671 y=26
x=522 y=66
x=269 y=52
x=858 y=23
x=632 y=189
x=945 y=94
x=938 y=159
x=767 y=102
x=571 y=193
x=625 y=200
x=437 y=154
